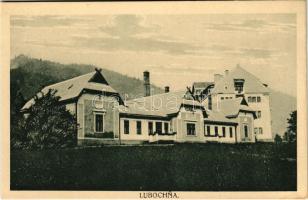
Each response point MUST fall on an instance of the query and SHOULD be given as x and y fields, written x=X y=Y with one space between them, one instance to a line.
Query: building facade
x=226 y=111
x=240 y=83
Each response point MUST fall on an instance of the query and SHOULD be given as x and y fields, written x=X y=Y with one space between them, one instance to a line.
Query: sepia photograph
x=155 y=103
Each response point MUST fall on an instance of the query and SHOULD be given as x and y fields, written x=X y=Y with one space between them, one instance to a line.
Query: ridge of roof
x=146 y=105
x=202 y=84
x=71 y=79
x=156 y=95
x=71 y=88
x=252 y=82
x=257 y=78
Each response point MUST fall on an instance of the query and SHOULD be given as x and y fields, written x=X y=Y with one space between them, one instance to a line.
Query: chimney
x=217 y=77
x=147 y=86
x=167 y=89
x=226 y=72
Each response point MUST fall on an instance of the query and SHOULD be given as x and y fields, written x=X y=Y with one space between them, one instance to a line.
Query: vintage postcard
x=154 y=100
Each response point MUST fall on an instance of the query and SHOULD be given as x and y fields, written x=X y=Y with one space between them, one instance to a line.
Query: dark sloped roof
x=158 y=105
x=71 y=88
x=228 y=110
x=202 y=84
x=231 y=107
x=252 y=83
x=216 y=116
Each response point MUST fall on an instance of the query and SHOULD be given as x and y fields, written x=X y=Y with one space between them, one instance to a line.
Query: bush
x=278 y=139
x=48 y=124
x=17 y=135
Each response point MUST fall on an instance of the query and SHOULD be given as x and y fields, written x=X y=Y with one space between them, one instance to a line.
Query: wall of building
x=212 y=138
x=144 y=136
x=112 y=122
x=245 y=119
x=71 y=107
x=264 y=106
x=88 y=105
x=265 y=121
x=80 y=119
x=217 y=98
x=185 y=117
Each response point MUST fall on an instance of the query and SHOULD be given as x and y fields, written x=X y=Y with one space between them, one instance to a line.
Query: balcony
x=171 y=136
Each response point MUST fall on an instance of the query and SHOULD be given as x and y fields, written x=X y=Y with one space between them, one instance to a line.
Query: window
x=254 y=99
x=246 y=131
x=259 y=114
x=239 y=88
x=210 y=102
x=239 y=85
x=150 y=126
x=138 y=127
x=190 y=108
x=216 y=131
x=223 y=131
x=166 y=127
x=126 y=127
x=260 y=130
x=191 y=129
x=256 y=131
x=158 y=127
x=231 y=132
x=222 y=98
x=99 y=123
x=208 y=131
x=258 y=99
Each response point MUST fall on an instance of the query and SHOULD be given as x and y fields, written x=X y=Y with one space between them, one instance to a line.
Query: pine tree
x=49 y=124
x=292 y=127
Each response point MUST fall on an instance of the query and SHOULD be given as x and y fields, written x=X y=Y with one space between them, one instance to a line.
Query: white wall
x=144 y=128
x=265 y=120
x=226 y=139
x=71 y=107
x=216 y=99
x=263 y=106
x=185 y=117
x=107 y=102
x=245 y=119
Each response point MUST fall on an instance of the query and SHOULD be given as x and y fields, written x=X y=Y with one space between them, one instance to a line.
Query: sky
x=177 y=50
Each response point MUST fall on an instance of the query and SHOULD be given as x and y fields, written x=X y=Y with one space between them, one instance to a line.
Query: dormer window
x=239 y=85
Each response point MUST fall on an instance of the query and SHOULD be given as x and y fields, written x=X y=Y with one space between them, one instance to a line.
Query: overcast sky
x=176 y=49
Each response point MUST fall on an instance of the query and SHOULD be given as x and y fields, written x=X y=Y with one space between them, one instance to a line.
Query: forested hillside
x=30 y=75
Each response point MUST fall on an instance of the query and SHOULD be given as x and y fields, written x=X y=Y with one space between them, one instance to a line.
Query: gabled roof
x=231 y=107
x=251 y=85
x=202 y=85
x=216 y=116
x=158 y=105
x=72 y=88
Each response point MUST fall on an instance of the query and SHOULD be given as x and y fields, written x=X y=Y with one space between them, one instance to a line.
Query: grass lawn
x=192 y=167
